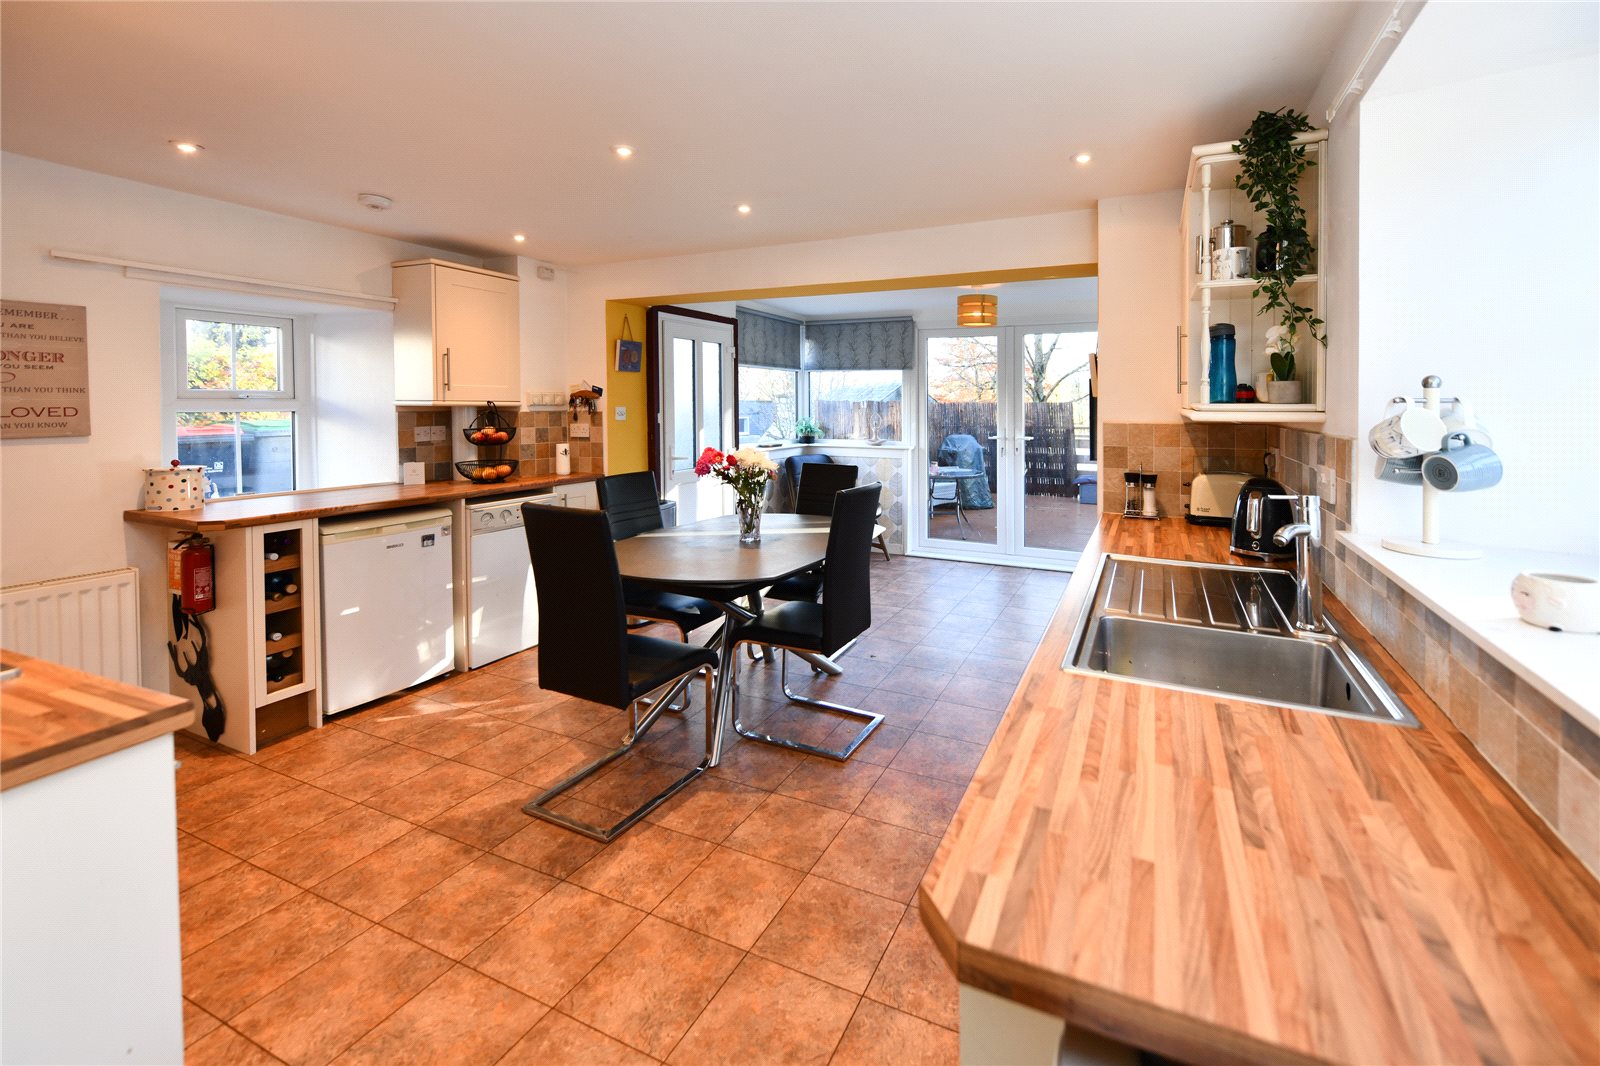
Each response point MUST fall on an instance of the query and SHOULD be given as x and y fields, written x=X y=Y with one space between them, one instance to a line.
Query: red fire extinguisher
x=191 y=574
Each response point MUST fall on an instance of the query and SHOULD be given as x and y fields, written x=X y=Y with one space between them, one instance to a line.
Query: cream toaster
x=1212 y=496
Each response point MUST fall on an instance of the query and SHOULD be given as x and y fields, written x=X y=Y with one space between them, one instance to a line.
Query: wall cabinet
x=456 y=335
x=1210 y=297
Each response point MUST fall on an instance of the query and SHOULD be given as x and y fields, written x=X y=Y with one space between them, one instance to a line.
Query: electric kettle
x=1256 y=517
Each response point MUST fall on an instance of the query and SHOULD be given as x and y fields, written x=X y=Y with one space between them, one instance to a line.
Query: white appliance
x=501 y=609
x=387 y=604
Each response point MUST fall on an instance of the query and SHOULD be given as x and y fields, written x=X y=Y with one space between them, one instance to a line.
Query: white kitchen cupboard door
x=456 y=334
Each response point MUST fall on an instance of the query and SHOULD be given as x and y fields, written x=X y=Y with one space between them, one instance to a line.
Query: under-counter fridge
x=387 y=604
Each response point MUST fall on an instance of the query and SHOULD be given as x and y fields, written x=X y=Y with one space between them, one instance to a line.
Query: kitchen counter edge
x=324 y=503
x=84 y=717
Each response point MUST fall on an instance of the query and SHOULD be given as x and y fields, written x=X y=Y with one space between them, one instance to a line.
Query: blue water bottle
x=1223 y=381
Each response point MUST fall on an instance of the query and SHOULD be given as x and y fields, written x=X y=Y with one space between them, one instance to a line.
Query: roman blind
x=863 y=344
x=767 y=340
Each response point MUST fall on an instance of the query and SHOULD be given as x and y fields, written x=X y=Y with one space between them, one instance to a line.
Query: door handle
x=447 y=370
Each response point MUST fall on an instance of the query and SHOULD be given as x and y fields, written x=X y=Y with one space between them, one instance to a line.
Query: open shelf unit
x=1210 y=198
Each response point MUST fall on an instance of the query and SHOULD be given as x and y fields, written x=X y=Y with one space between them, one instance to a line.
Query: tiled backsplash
x=1550 y=757
x=538 y=433
x=436 y=454
x=1175 y=453
x=541 y=431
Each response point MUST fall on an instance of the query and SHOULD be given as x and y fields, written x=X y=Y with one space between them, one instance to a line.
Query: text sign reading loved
x=44 y=370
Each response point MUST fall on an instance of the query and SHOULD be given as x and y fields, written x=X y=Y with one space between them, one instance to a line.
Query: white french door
x=1006 y=417
x=696 y=409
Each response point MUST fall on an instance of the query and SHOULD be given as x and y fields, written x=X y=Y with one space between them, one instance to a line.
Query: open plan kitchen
x=574 y=533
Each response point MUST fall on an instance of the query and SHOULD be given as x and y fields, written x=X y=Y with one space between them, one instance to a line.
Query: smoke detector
x=373 y=201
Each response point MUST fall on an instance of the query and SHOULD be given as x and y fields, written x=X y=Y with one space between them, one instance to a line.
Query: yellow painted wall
x=627 y=443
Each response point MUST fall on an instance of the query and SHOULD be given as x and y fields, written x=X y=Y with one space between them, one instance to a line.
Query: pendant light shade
x=977 y=309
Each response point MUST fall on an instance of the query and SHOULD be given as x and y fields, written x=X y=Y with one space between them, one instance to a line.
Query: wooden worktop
x=323 y=503
x=1217 y=880
x=53 y=718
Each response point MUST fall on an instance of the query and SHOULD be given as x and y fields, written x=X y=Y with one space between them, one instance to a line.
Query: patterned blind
x=868 y=344
x=766 y=340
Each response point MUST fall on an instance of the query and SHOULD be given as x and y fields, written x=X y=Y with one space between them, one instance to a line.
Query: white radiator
x=89 y=622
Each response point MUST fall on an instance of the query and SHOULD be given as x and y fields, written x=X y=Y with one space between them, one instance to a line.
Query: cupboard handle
x=447 y=370
x=1181 y=382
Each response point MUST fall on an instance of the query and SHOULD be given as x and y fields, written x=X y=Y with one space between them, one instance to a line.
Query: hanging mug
x=1412 y=432
x=1461 y=419
x=1465 y=469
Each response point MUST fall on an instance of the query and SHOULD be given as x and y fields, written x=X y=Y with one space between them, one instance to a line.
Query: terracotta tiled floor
x=372 y=892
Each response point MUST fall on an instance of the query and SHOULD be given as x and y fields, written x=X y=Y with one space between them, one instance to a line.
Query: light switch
x=622 y=414
x=1327 y=486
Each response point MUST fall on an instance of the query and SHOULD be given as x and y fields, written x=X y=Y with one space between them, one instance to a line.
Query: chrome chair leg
x=872 y=718
x=539 y=807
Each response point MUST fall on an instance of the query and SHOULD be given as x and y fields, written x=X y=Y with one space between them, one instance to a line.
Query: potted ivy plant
x=806 y=430
x=1270 y=166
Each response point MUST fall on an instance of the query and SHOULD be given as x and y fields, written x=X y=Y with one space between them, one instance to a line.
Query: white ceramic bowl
x=1565 y=602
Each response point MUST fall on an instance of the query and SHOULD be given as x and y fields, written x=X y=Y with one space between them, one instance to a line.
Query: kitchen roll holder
x=1409 y=471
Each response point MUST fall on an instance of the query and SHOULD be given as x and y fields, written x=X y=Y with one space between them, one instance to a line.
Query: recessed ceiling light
x=1082 y=159
x=187 y=147
x=743 y=209
x=519 y=237
x=622 y=151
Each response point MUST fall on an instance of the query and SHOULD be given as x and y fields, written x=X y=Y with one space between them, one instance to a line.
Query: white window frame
x=294 y=367
x=802 y=397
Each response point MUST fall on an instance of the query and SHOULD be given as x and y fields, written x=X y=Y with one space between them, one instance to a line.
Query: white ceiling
x=484 y=119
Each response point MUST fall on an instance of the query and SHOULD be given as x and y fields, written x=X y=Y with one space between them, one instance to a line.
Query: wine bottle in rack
x=276 y=545
x=278 y=668
x=280 y=585
x=274 y=636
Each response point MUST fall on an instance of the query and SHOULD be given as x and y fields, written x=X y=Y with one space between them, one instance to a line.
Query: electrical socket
x=578 y=429
x=1327 y=485
x=427 y=434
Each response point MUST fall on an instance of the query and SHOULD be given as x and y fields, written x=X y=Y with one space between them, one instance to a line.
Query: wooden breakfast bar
x=1216 y=880
x=90 y=971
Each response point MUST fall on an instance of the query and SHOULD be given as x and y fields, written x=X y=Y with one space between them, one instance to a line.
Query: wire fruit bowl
x=488 y=471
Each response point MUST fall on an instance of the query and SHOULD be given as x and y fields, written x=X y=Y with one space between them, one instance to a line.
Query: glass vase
x=749 y=511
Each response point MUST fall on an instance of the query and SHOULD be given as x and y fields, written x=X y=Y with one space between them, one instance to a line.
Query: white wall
x=1140 y=303
x=1480 y=261
x=1006 y=244
x=353 y=364
x=542 y=319
x=62 y=499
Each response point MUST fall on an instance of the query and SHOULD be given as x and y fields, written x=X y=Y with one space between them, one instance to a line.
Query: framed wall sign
x=630 y=356
x=44 y=370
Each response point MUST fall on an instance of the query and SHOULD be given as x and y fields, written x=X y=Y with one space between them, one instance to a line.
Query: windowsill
x=1474 y=596
x=888 y=445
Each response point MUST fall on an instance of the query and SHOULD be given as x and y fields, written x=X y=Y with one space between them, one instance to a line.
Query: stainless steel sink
x=1225 y=630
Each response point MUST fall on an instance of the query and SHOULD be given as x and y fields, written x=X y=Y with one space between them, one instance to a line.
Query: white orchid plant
x=1280 y=349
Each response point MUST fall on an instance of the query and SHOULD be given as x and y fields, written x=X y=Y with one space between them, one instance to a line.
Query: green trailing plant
x=1270 y=166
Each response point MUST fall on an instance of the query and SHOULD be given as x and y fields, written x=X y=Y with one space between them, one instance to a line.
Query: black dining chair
x=585 y=649
x=819 y=484
x=632 y=506
x=823 y=628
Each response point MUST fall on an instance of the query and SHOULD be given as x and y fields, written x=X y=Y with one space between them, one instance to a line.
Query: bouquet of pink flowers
x=747 y=470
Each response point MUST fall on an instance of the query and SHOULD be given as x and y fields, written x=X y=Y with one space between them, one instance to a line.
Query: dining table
x=705 y=559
